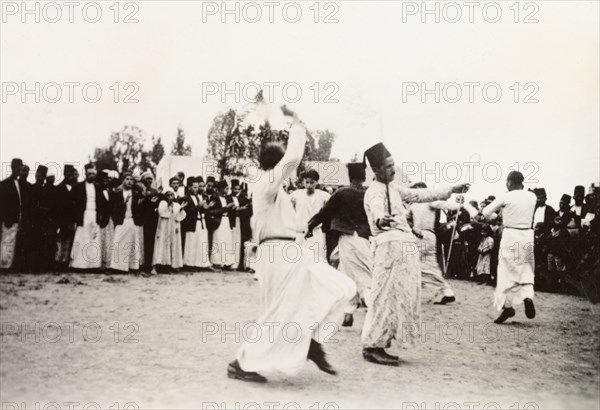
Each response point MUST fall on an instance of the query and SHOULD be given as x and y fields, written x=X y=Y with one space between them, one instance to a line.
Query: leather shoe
x=234 y=371
x=317 y=355
x=377 y=355
x=506 y=314
x=348 y=320
x=445 y=300
x=529 y=308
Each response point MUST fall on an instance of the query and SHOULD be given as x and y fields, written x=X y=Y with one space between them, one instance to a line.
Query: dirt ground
x=164 y=343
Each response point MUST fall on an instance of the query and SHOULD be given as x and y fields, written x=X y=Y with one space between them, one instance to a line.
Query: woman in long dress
x=167 y=243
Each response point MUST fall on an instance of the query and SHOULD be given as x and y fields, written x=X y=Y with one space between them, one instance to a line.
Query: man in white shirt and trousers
x=307 y=203
x=303 y=300
x=516 y=263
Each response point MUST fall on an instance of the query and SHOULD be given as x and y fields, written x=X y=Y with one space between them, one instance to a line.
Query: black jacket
x=102 y=207
x=118 y=207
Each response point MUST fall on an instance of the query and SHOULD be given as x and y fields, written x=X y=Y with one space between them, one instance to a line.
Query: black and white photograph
x=306 y=204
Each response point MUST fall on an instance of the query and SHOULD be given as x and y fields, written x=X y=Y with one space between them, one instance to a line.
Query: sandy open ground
x=164 y=343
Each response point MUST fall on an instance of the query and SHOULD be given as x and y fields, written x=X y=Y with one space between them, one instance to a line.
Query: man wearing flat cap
x=396 y=286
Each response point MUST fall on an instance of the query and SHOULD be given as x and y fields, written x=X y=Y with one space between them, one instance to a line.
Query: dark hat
x=42 y=169
x=103 y=174
x=235 y=183
x=356 y=170
x=491 y=198
x=199 y=179
x=89 y=166
x=16 y=162
x=579 y=189
x=540 y=192
x=376 y=155
x=69 y=168
x=190 y=180
x=566 y=198
x=222 y=184
x=210 y=179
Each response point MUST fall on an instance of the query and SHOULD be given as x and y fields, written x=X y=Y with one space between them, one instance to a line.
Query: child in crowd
x=486 y=246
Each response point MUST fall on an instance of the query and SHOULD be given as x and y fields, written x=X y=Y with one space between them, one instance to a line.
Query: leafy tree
x=179 y=147
x=126 y=152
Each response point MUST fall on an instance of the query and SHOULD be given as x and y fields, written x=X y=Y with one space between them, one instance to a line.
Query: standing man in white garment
x=516 y=262
x=307 y=202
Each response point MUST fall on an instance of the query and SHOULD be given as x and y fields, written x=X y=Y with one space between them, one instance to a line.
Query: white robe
x=87 y=244
x=9 y=242
x=516 y=259
x=395 y=311
x=196 y=244
x=126 y=243
x=223 y=250
x=302 y=299
x=306 y=207
x=167 y=242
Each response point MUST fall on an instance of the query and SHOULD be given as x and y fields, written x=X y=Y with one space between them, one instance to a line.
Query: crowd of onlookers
x=121 y=222
x=45 y=217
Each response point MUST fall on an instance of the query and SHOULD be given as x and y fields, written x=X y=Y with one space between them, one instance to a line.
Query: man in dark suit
x=543 y=220
x=63 y=211
x=91 y=215
x=149 y=217
x=38 y=228
x=12 y=202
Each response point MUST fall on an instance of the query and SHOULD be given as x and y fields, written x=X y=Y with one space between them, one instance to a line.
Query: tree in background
x=324 y=140
x=179 y=147
x=235 y=145
x=126 y=152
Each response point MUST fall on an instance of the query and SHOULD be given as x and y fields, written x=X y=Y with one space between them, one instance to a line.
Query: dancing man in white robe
x=307 y=202
x=295 y=291
x=395 y=311
x=516 y=262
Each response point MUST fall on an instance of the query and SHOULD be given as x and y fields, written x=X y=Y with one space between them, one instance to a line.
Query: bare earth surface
x=164 y=343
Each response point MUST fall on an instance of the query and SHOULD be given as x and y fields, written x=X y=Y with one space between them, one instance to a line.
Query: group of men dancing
x=385 y=248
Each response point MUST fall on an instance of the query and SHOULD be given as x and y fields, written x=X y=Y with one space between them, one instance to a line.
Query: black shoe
x=234 y=371
x=348 y=320
x=377 y=355
x=529 y=308
x=389 y=356
x=445 y=300
x=506 y=314
x=317 y=355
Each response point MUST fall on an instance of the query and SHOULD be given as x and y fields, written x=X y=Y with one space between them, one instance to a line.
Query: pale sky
x=368 y=56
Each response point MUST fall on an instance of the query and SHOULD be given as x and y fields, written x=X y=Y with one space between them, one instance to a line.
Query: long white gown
x=196 y=244
x=302 y=299
x=167 y=242
x=223 y=252
x=87 y=243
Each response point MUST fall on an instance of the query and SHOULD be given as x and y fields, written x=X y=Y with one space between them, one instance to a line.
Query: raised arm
x=293 y=154
x=494 y=207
